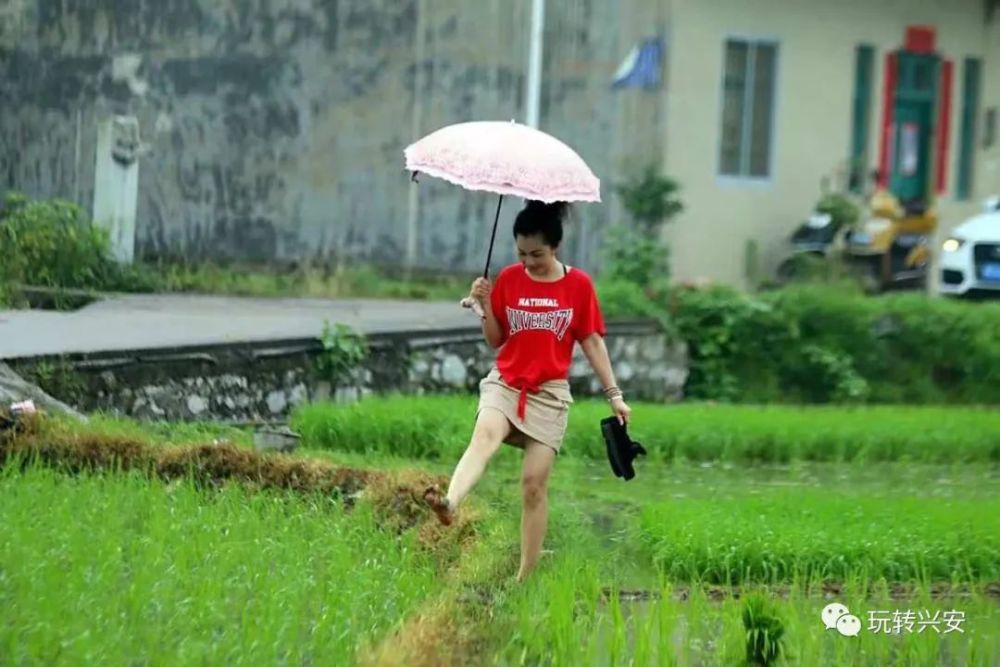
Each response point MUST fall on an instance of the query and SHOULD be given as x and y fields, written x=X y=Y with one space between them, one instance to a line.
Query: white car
x=970 y=257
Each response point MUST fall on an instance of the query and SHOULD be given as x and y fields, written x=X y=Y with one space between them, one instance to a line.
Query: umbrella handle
x=469 y=302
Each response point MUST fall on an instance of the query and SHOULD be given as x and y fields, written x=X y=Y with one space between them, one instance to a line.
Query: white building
x=766 y=98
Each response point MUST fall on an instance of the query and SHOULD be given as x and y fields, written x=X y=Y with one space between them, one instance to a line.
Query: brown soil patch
x=448 y=630
x=428 y=638
x=440 y=634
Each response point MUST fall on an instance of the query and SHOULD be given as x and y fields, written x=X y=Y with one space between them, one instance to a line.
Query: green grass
x=355 y=282
x=155 y=432
x=263 y=282
x=120 y=570
x=439 y=428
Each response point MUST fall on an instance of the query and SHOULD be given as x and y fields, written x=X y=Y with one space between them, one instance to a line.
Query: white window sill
x=756 y=182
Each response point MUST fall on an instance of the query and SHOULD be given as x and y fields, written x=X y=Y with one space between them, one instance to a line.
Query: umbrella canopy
x=506 y=159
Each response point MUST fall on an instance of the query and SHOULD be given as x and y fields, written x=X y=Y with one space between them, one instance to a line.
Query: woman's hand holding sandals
x=621 y=409
x=618 y=405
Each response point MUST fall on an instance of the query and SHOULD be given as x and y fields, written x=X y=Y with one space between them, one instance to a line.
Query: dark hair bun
x=540 y=218
x=556 y=209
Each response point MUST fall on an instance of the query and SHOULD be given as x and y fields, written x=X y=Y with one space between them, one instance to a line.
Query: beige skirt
x=545 y=415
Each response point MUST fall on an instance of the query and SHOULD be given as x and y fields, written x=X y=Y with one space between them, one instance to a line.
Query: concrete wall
x=812 y=123
x=277 y=126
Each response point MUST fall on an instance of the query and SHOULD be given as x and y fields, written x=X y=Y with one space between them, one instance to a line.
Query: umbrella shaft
x=493 y=236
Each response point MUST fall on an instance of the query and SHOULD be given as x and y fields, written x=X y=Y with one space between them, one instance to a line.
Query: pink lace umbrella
x=507 y=159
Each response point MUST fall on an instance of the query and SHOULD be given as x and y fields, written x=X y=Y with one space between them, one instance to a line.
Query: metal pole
x=535 y=61
x=416 y=120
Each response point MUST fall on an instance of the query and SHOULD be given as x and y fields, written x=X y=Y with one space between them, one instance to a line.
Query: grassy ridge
x=439 y=427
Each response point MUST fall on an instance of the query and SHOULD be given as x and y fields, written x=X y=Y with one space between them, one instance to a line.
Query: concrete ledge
x=254 y=350
x=264 y=380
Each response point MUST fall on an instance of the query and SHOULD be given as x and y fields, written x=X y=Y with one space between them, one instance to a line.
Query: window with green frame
x=748 y=99
x=971 y=75
x=864 y=64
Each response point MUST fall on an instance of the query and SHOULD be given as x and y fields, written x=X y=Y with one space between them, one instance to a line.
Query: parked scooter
x=820 y=237
x=891 y=246
x=886 y=244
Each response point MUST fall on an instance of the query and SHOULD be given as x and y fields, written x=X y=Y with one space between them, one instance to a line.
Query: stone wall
x=276 y=129
x=264 y=383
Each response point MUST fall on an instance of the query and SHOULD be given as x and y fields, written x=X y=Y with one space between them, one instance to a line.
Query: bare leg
x=538 y=459
x=491 y=429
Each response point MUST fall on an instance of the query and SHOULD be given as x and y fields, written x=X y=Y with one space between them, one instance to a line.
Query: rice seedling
x=439 y=427
x=121 y=569
x=821 y=534
x=764 y=631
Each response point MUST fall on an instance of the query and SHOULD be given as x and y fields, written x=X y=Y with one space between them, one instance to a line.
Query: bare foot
x=440 y=505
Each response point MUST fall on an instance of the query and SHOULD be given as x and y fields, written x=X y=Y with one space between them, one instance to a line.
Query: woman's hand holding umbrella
x=480 y=293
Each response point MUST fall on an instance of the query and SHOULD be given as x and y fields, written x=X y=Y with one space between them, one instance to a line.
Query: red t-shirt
x=540 y=322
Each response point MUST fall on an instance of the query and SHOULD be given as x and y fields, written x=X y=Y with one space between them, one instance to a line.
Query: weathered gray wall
x=277 y=126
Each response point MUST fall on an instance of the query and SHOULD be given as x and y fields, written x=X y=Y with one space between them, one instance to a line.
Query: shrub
x=53 y=244
x=907 y=347
x=636 y=258
x=343 y=352
x=635 y=252
x=623 y=299
x=827 y=343
x=843 y=211
x=651 y=199
x=731 y=338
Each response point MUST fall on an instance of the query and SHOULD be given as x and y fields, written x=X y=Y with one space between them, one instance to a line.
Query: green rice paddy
x=792 y=508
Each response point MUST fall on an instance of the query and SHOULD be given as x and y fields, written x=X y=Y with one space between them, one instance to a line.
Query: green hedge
x=820 y=343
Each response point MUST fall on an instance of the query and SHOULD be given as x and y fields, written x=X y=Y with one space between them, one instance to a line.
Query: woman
x=534 y=314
